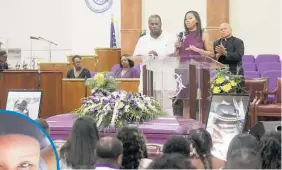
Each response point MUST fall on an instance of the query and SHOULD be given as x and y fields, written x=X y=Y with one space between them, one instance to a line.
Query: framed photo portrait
x=227 y=118
x=27 y=102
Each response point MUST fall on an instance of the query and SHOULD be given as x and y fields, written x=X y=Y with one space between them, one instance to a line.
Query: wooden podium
x=107 y=58
x=48 y=81
x=52 y=66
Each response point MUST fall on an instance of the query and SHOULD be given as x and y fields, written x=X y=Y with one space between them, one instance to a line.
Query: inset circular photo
x=25 y=143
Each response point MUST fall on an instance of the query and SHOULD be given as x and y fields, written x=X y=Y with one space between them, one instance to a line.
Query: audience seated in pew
x=108 y=153
x=171 y=161
x=270 y=150
x=126 y=69
x=243 y=153
x=78 y=71
x=78 y=151
x=128 y=150
x=134 y=148
x=201 y=144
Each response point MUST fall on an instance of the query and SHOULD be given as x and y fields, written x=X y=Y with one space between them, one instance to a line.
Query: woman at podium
x=78 y=71
x=193 y=42
x=126 y=69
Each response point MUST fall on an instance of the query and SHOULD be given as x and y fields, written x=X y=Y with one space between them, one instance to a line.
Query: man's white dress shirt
x=163 y=46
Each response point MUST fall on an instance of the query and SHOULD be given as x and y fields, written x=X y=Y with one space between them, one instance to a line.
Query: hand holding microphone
x=180 y=38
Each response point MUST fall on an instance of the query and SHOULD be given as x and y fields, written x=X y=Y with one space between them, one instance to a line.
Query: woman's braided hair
x=202 y=142
x=134 y=147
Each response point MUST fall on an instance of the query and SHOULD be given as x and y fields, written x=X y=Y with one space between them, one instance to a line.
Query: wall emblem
x=99 y=6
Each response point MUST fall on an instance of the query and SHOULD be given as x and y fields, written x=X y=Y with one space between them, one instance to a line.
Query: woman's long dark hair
x=199 y=24
x=131 y=63
x=134 y=147
x=202 y=142
x=79 y=149
x=270 y=150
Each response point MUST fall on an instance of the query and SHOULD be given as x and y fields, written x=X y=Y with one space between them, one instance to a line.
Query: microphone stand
x=38 y=79
x=50 y=43
x=85 y=88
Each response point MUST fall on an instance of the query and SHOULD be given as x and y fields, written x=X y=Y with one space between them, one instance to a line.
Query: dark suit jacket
x=235 y=51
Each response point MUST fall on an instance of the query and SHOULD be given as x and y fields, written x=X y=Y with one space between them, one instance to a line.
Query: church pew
x=50 y=82
x=74 y=90
x=52 y=66
x=88 y=61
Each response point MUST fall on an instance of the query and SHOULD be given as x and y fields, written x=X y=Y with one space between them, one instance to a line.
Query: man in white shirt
x=157 y=42
x=160 y=44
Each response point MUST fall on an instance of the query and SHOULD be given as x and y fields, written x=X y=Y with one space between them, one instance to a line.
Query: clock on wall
x=99 y=6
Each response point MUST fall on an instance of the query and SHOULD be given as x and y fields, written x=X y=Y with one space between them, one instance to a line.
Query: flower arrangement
x=102 y=82
x=110 y=107
x=225 y=82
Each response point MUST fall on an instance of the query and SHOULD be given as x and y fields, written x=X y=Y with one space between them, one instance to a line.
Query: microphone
x=180 y=37
x=34 y=38
x=143 y=33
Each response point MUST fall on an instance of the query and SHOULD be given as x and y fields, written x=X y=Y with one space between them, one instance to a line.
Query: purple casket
x=156 y=131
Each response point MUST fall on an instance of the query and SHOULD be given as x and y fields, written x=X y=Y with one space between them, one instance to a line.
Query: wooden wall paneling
x=72 y=93
x=88 y=61
x=49 y=81
x=217 y=13
x=16 y=79
x=107 y=58
x=52 y=66
x=129 y=85
x=51 y=84
x=131 y=24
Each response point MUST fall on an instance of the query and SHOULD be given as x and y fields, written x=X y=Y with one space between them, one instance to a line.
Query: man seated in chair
x=78 y=71
x=3 y=60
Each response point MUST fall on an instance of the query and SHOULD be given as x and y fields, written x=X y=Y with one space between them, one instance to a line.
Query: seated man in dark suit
x=3 y=60
x=229 y=50
x=78 y=71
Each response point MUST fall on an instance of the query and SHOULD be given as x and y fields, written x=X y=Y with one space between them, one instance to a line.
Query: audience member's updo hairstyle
x=79 y=150
x=201 y=141
x=270 y=150
x=134 y=147
x=171 y=161
x=177 y=144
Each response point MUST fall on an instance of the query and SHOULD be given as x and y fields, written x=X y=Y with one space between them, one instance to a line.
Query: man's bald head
x=109 y=148
x=225 y=30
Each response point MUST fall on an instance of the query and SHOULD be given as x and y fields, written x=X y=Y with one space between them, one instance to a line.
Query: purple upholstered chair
x=115 y=68
x=249 y=67
x=248 y=59
x=272 y=75
x=262 y=67
x=251 y=74
x=93 y=74
x=263 y=58
x=137 y=67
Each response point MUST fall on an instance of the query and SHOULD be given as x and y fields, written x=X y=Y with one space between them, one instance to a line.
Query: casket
x=156 y=131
